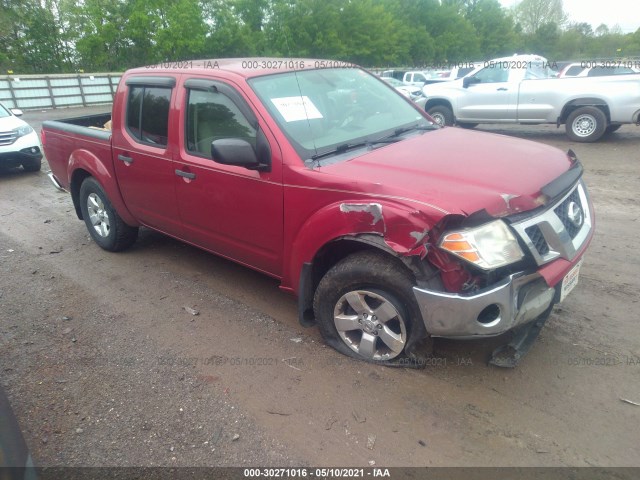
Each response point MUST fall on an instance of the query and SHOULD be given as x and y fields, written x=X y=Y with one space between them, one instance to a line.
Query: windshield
x=327 y=109
x=4 y=112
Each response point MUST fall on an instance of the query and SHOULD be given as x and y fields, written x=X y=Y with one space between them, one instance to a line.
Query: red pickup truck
x=389 y=228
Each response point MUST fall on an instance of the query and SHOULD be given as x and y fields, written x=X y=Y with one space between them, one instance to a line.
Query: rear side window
x=148 y=114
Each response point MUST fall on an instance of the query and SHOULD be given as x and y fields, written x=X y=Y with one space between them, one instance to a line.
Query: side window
x=492 y=74
x=211 y=115
x=574 y=70
x=148 y=114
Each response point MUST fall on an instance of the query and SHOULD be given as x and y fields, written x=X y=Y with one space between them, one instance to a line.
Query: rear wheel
x=442 y=115
x=586 y=124
x=105 y=226
x=365 y=307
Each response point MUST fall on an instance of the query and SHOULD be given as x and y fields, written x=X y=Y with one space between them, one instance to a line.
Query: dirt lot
x=104 y=366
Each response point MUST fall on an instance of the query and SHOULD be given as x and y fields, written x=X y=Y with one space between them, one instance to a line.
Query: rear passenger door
x=143 y=153
x=227 y=209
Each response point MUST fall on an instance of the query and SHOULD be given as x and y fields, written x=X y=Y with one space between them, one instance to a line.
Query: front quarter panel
x=402 y=229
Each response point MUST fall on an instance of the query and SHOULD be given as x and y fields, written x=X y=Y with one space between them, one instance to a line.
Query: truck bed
x=86 y=136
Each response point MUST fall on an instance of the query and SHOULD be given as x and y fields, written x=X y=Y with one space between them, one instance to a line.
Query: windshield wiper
x=349 y=146
x=392 y=138
x=399 y=131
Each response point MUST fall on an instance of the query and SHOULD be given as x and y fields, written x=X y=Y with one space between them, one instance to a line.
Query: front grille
x=562 y=211
x=7 y=138
x=540 y=244
x=559 y=231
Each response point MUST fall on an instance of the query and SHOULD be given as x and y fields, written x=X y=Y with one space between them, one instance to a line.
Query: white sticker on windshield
x=296 y=108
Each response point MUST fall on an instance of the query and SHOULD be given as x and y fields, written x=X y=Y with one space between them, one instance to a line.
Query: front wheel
x=586 y=124
x=442 y=115
x=105 y=226
x=365 y=307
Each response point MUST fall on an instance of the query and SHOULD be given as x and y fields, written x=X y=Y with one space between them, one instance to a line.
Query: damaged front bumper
x=516 y=300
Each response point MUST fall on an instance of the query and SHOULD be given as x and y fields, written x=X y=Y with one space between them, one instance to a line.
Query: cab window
x=148 y=114
x=492 y=74
x=212 y=115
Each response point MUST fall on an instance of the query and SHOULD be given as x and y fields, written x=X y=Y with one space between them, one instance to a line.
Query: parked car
x=522 y=89
x=603 y=71
x=409 y=91
x=423 y=77
x=389 y=228
x=19 y=143
x=579 y=69
x=397 y=74
x=460 y=70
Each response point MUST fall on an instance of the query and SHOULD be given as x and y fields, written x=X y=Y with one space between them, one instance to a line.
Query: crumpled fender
x=403 y=229
x=82 y=159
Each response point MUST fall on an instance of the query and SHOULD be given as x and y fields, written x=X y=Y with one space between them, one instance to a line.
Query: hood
x=434 y=89
x=458 y=171
x=11 y=122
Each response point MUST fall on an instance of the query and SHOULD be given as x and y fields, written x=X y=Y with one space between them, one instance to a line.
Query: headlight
x=488 y=246
x=24 y=130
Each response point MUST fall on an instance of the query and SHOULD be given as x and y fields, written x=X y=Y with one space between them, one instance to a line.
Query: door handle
x=502 y=89
x=188 y=175
x=125 y=159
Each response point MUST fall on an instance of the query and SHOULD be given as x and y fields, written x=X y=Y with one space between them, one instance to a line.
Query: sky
x=625 y=13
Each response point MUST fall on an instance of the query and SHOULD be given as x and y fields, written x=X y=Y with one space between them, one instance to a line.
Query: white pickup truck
x=522 y=89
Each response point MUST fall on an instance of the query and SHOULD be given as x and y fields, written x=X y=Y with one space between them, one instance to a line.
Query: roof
x=245 y=67
x=519 y=58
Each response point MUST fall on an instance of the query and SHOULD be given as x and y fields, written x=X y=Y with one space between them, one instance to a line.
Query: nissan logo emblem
x=575 y=214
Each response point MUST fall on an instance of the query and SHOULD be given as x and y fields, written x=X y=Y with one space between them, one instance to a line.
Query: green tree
x=455 y=38
x=494 y=27
x=30 y=40
x=534 y=14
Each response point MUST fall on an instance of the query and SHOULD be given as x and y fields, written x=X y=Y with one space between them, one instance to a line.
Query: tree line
x=59 y=36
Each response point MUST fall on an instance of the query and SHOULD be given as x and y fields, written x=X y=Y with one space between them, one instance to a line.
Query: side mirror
x=17 y=112
x=238 y=152
x=466 y=81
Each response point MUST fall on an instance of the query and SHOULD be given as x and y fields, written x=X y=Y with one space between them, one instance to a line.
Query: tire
x=586 y=124
x=467 y=125
x=105 y=226
x=365 y=308
x=612 y=128
x=442 y=115
x=32 y=166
